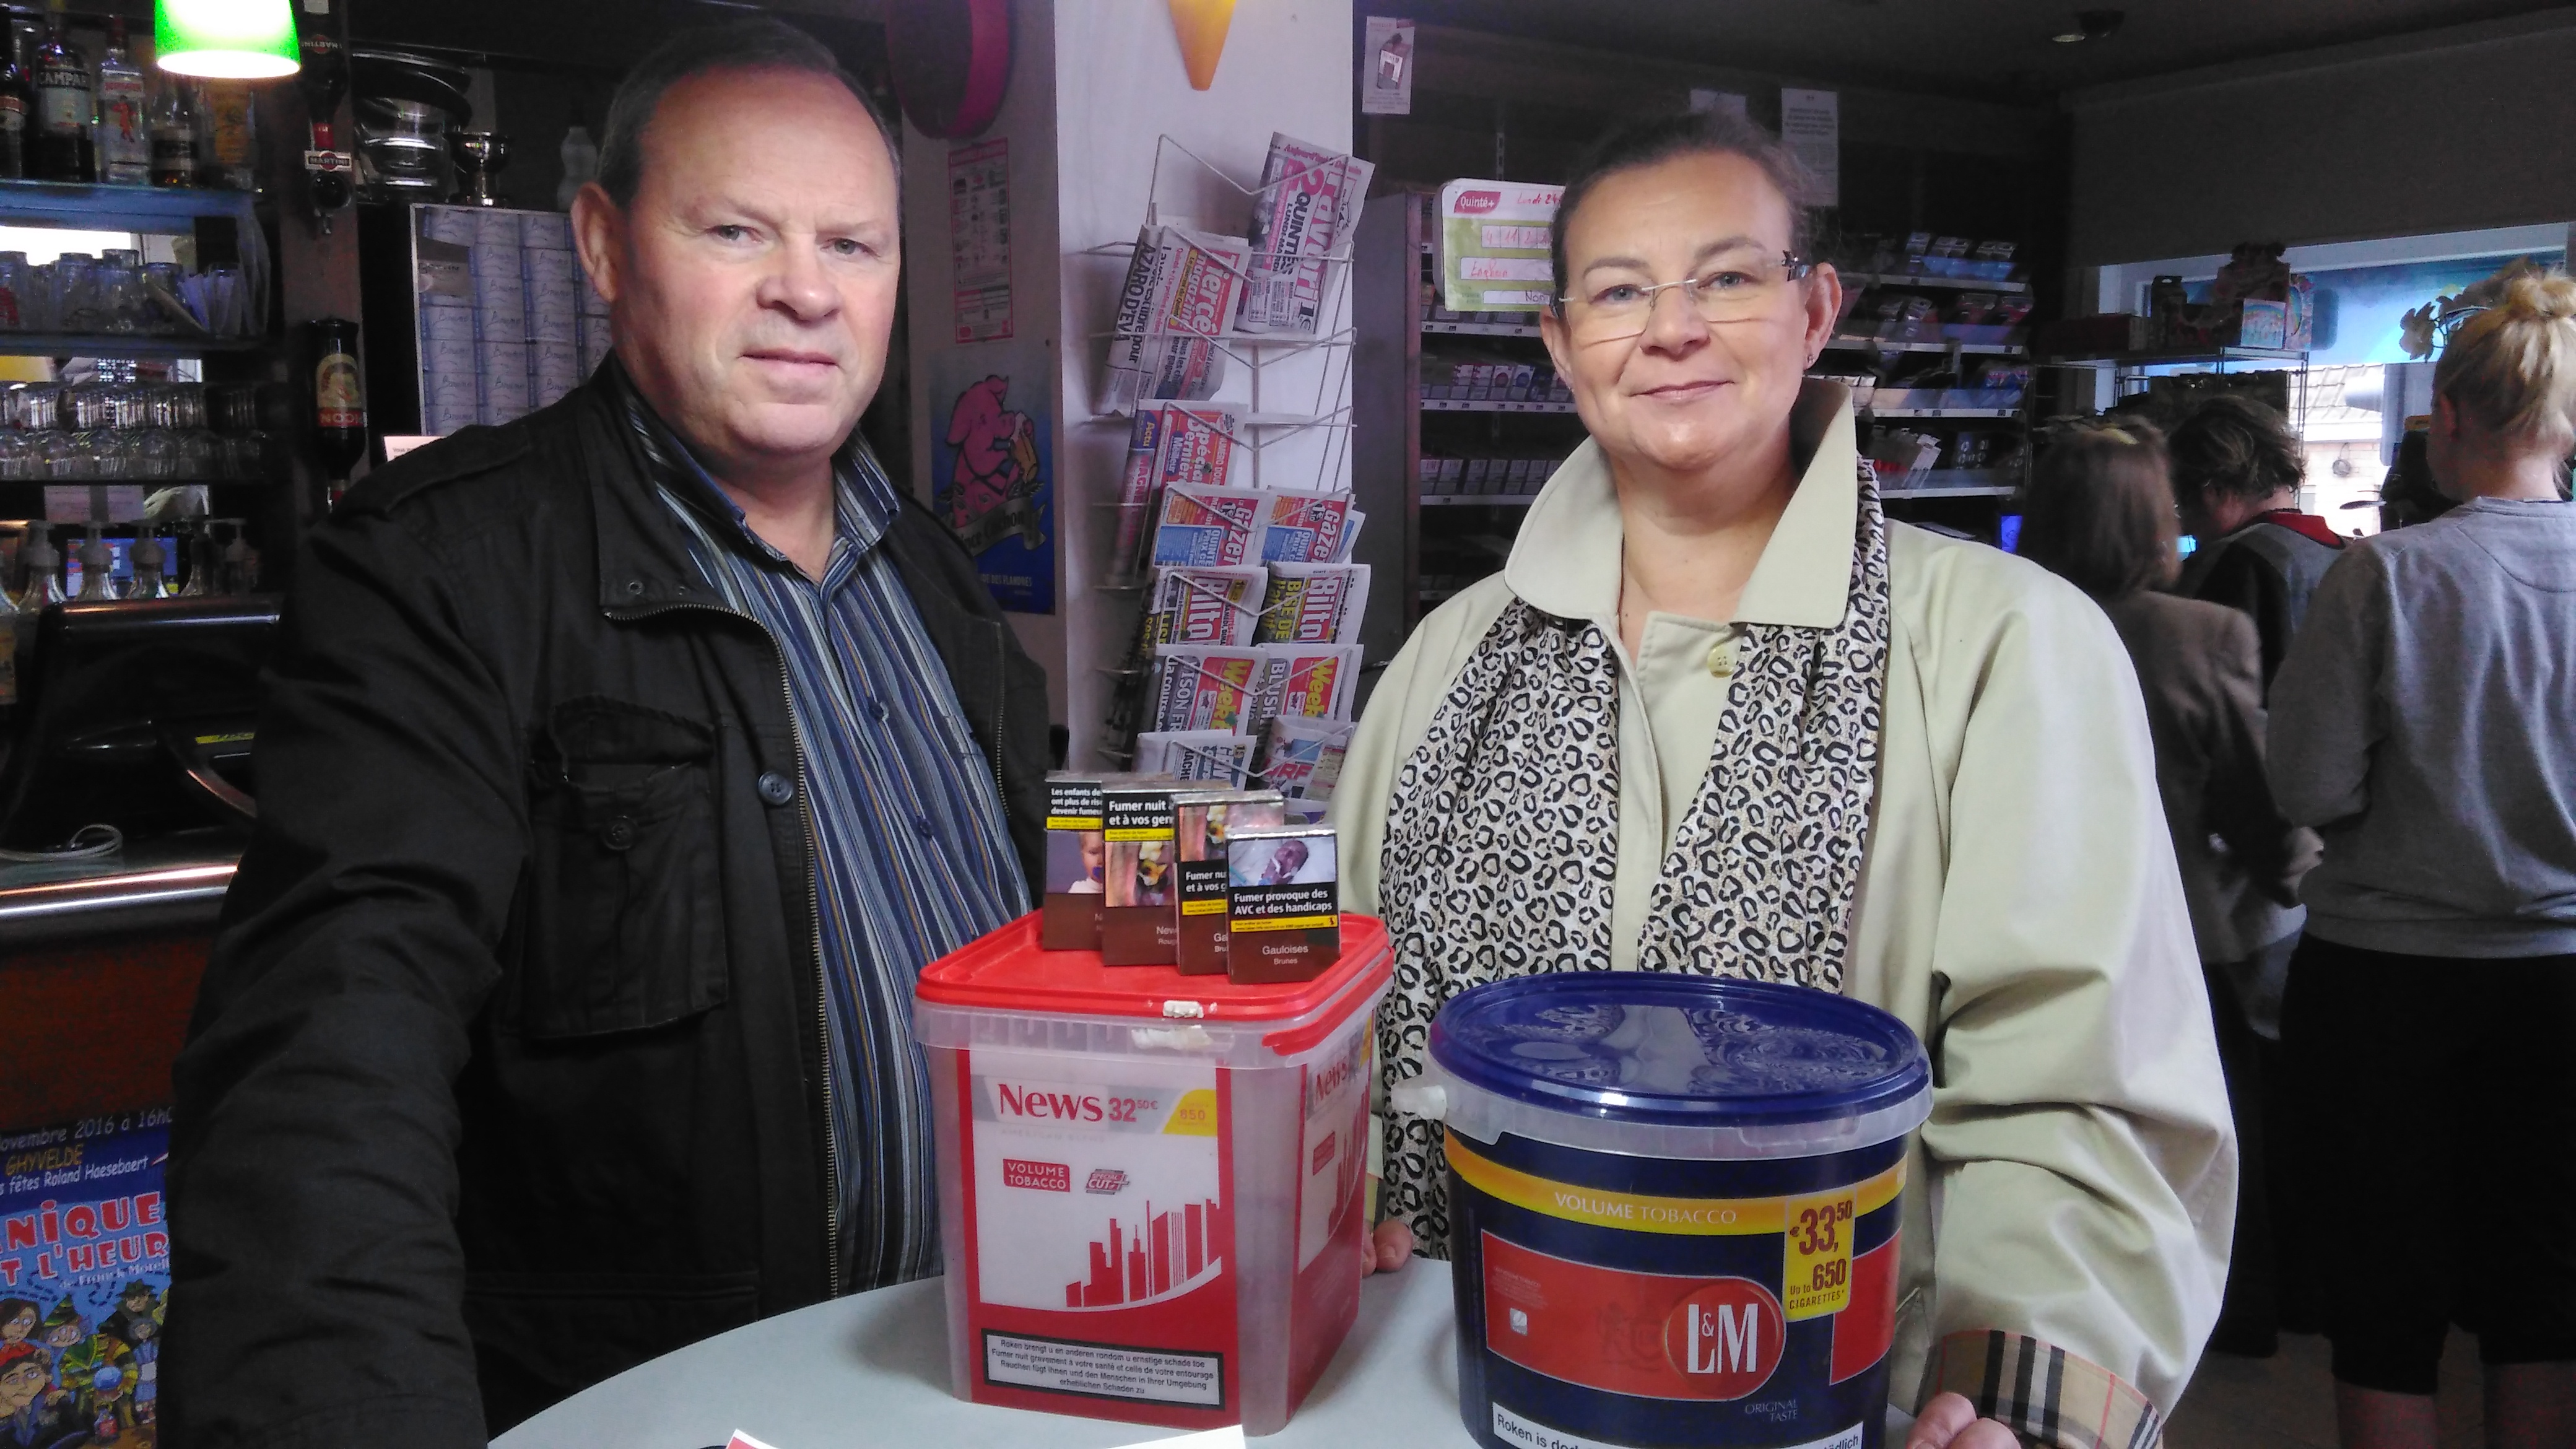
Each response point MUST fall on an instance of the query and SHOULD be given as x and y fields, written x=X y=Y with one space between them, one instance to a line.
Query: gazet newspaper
x=1309 y=201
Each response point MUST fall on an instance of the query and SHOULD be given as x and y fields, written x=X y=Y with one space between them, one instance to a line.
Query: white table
x=872 y=1369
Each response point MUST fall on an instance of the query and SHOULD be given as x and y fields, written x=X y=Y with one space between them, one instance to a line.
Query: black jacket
x=506 y=1073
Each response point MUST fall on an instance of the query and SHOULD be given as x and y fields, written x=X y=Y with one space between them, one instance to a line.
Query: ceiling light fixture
x=2092 y=25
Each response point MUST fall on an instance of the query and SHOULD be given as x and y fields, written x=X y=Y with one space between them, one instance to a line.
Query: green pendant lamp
x=225 y=39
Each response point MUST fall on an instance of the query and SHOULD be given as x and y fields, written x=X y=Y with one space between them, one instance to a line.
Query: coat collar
x=1566 y=560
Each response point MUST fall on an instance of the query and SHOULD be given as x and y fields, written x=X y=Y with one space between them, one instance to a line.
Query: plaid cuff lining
x=2045 y=1394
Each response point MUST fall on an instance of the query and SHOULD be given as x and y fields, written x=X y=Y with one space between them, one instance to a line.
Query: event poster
x=979 y=238
x=991 y=478
x=84 y=1280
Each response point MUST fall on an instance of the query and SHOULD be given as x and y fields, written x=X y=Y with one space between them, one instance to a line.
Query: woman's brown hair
x=2101 y=511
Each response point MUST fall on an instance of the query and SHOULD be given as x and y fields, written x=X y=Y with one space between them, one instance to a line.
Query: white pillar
x=1093 y=85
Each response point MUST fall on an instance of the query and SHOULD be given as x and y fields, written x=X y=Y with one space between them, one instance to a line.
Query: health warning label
x=1105 y=1371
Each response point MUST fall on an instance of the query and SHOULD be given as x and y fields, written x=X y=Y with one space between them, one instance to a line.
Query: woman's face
x=1686 y=393
x=19 y=1325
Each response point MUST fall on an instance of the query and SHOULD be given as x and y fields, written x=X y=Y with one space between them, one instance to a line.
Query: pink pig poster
x=991 y=478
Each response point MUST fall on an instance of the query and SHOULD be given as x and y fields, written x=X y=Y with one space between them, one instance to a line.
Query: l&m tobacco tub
x=1674 y=1206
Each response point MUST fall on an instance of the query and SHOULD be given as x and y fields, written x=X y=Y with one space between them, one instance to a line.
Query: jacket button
x=634 y=587
x=618 y=833
x=776 y=788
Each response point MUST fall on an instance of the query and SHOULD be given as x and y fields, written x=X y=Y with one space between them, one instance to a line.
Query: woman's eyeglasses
x=1736 y=289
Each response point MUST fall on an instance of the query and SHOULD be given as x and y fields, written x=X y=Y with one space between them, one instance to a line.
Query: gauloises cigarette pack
x=1202 y=823
x=1077 y=867
x=1283 y=904
x=1139 y=925
x=1151 y=1186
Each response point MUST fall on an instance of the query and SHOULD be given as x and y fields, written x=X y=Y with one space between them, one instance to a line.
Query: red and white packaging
x=1151 y=1185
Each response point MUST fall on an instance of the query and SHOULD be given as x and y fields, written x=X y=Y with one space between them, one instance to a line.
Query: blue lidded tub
x=1674 y=1206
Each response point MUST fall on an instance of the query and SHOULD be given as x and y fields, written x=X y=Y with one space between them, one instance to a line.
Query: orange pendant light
x=1201 y=25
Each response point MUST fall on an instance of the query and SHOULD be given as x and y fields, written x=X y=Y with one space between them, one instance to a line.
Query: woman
x=2237 y=467
x=2100 y=515
x=2425 y=724
x=1707 y=624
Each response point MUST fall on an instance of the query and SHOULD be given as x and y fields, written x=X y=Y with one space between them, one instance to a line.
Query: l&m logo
x=1726 y=1337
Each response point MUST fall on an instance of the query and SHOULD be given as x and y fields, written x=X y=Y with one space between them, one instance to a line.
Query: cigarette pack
x=1076 y=865
x=1283 y=904
x=1136 y=918
x=1203 y=823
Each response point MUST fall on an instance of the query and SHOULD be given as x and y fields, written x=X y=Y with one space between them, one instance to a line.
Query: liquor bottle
x=227 y=143
x=66 y=101
x=17 y=103
x=124 y=125
x=324 y=80
x=174 y=136
x=339 y=399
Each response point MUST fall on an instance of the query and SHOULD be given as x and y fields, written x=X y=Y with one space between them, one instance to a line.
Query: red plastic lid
x=1007 y=971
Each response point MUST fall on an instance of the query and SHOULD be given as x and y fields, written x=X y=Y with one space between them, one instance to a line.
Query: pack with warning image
x=1151 y=1186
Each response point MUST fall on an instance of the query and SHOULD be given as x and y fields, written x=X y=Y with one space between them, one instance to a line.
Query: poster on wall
x=1387 y=88
x=991 y=479
x=1812 y=123
x=979 y=238
x=84 y=1280
x=1493 y=245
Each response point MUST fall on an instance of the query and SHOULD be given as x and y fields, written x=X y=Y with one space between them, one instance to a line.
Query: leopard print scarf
x=1501 y=833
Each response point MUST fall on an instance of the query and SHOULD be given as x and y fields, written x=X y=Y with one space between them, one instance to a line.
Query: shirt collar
x=1566 y=560
x=863 y=498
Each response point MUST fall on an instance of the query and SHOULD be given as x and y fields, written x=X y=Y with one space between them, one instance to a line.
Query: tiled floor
x=2287 y=1401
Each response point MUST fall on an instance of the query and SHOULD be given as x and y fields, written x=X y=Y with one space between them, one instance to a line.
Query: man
x=622 y=767
x=2237 y=468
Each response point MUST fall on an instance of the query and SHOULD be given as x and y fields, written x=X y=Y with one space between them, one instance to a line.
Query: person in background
x=2407 y=496
x=620 y=770
x=2237 y=468
x=1708 y=618
x=2425 y=724
x=2100 y=514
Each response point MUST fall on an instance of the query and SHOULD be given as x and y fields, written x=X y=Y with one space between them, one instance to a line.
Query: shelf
x=1460 y=405
x=75 y=344
x=152 y=483
x=1479 y=329
x=1955 y=483
x=2212 y=355
x=1478 y=500
x=1943 y=412
x=1972 y=349
x=1907 y=279
x=117 y=208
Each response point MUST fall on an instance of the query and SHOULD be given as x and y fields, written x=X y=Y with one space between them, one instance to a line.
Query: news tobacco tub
x=1673 y=1209
x=1150 y=1184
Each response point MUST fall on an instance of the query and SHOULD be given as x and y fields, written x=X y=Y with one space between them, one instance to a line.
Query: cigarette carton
x=1203 y=823
x=1138 y=925
x=1283 y=904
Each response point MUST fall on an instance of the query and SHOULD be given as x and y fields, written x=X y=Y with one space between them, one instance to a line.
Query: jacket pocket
x=625 y=920
x=539 y=1337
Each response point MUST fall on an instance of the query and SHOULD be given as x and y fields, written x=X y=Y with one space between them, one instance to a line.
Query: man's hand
x=1951 y=1422
x=1388 y=1248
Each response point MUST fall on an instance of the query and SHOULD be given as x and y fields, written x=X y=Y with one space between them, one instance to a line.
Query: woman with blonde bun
x=2425 y=724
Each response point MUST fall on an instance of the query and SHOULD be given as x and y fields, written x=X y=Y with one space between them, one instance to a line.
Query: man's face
x=752 y=280
x=1686 y=392
x=63 y=1335
x=20 y=1383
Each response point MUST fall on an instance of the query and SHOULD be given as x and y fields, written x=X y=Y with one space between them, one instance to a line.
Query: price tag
x=1816 y=1278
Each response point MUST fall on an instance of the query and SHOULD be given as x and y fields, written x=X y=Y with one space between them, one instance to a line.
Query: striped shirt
x=913 y=855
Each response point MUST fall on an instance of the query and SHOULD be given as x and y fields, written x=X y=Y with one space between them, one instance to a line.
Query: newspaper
x=1182 y=288
x=1209 y=688
x=1168 y=443
x=1307 y=209
x=1196 y=754
x=1302 y=758
x=1202 y=527
x=1314 y=604
x=1308 y=681
x=1304 y=527
x=1202 y=606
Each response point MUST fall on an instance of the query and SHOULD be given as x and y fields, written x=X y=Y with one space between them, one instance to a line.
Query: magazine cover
x=1310 y=681
x=1305 y=527
x=1307 y=209
x=1314 y=604
x=1302 y=758
x=84 y=1280
x=1203 y=606
x=1210 y=526
x=1207 y=689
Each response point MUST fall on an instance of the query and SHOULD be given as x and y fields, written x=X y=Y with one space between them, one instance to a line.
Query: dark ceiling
x=1996 y=48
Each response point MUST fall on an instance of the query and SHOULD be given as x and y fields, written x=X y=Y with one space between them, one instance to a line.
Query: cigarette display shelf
x=1916 y=279
x=1957 y=483
x=1943 y=412
x=1469 y=405
x=1478 y=500
x=1964 y=349
x=1448 y=327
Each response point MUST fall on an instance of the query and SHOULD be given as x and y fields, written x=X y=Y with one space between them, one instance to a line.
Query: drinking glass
x=121 y=306
x=36 y=305
x=15 y=305
x=76 y=301
x=163 y=291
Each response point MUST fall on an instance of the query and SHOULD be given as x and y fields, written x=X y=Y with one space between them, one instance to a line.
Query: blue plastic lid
x=1680 y=1051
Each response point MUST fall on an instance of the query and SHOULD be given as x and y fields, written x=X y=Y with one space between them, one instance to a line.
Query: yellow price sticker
x=1816 y=1279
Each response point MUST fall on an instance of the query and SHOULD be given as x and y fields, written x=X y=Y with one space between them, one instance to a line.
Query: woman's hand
x=1388 y=1248
x=1951 y=1422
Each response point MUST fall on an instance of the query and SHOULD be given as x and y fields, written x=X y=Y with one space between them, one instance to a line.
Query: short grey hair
x=755 y=43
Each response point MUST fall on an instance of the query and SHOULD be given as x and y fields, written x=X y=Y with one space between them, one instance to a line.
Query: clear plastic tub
x=1151 y=1186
